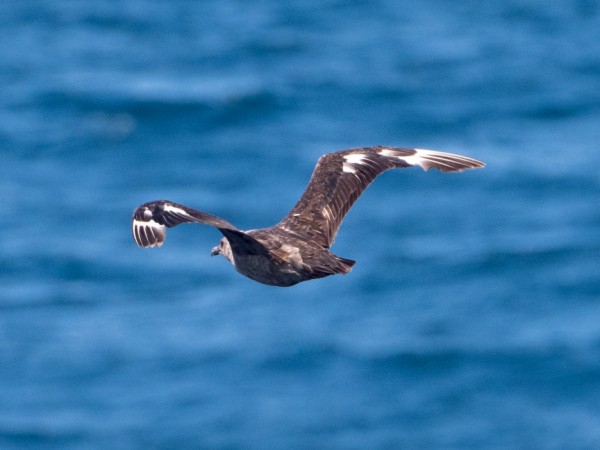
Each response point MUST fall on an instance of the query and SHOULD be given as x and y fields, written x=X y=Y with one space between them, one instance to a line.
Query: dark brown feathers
x=341 y=177
x=296 y=249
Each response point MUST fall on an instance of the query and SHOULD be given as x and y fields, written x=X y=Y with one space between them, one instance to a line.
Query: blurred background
x=472 y=317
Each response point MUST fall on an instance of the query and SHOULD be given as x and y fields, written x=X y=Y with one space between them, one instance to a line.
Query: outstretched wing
x=150 y=220
x=340 y=178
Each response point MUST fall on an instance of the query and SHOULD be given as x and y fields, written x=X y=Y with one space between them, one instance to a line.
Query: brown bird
x=296 y=249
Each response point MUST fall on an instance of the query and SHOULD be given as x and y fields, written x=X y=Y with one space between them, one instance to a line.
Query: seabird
x=296 y=249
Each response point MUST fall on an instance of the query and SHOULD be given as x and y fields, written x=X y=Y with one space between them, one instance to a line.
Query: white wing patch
x=351 y=160
x=348 y=168
x=419 y=158
x=175 y=210
x=387 y=152
x=414 y=160
x=431 y=158
x=148 y=233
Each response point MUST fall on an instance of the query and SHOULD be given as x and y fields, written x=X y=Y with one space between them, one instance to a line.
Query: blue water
x=472 y=317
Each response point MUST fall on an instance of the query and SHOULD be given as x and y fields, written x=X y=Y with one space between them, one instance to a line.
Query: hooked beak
x=215 y=251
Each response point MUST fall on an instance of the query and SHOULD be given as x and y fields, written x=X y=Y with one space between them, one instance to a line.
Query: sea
x=471 y=319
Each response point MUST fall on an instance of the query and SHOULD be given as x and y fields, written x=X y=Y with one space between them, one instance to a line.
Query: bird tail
x=344 y=265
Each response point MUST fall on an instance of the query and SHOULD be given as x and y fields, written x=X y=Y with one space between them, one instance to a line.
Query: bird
x=297 y=248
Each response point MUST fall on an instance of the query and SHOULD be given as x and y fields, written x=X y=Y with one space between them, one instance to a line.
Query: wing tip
x=148 y=233
x=427 y=159
x=444 y=162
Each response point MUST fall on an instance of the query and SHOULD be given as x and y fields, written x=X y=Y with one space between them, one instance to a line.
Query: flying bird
x=297 y=248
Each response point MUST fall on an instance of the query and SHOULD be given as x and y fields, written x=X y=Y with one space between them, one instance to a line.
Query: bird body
x=297 y=248
x=289 y=259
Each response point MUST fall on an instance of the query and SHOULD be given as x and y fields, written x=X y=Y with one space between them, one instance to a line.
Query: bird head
x=223 y=249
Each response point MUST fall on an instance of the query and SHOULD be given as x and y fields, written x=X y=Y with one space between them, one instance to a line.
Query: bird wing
x=340 y=178
x=151 y=219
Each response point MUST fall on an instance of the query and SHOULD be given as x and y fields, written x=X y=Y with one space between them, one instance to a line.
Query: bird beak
x=215 y=251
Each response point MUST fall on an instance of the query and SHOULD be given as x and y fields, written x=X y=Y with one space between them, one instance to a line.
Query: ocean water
x=472 y=317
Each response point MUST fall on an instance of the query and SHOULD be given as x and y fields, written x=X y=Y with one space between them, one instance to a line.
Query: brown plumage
x=296 y=249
